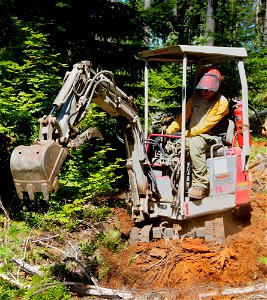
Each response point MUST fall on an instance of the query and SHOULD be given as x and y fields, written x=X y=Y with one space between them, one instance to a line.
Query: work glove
x=187 y=133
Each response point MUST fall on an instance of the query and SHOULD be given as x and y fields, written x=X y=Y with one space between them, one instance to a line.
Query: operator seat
x=220 y=149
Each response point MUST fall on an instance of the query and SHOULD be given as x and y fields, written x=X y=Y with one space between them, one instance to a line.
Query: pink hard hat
x=211 y=80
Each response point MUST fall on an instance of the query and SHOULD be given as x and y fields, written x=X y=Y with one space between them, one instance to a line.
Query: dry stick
x=13 y=281
x=11 y=276
x=159 y=273
x=235 y=291
x=28 y=268
x=75 y=251
x=45 y=238
x=6 y=229
x=167 y=266
x=91 y=291
x=172 y=264
x=155 y=264
x=78 y=287
x=88 y=290
x=21 y=261
x=7 y=222
x=24 y=251
x=89 y=276
x=53 y=247
x=261 y=183
x=47 y=286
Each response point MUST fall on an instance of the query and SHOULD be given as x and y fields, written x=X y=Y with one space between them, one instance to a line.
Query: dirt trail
x=183 y=269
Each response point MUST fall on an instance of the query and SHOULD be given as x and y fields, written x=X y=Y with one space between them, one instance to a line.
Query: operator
x=203 y=111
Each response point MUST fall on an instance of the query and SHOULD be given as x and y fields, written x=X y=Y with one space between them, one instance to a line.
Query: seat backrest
x=230 y=133
x=221 y=149
x=217 y=150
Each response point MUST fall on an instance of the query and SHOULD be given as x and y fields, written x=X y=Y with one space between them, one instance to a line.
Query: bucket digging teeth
x=34 y=168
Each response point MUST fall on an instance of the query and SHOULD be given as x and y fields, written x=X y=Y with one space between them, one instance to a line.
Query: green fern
x=263 y=260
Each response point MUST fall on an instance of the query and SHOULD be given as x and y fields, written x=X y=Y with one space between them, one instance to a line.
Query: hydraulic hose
x=257 y=115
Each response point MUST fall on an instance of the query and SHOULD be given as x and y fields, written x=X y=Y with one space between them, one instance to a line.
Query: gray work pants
x=197 y=147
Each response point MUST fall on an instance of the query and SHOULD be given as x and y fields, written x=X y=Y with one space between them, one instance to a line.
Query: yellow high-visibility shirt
x=203 y=115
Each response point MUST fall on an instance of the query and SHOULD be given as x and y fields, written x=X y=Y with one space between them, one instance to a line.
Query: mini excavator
x=158 y=180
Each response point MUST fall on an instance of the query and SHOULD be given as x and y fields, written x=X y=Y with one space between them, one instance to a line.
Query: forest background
x=41 y=40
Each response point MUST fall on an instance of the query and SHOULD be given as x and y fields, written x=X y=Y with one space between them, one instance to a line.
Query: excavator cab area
x=227 y=162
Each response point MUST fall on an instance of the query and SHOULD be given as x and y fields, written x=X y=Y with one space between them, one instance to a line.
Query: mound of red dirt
x=190 y=266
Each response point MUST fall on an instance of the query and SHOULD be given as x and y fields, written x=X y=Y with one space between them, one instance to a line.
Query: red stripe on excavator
x=160 y=51
x=186 y=209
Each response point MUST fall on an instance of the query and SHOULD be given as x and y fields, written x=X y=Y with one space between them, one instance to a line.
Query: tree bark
x=265 y=24
x=28 y=268
x=147 y=5
x=90 y=290
x=210 y=22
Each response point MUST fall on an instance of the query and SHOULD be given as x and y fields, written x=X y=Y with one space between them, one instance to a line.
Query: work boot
x=197 y=192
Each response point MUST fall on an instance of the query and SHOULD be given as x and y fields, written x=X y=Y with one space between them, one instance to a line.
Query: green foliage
x=68 y=216
x=28 y=84
x=42 y=289
x=81 y=184
x=165 y=87
x=13 y=244
x=103 y=267
x=230 y=18
x=263 y=260
x=88 y=177
x=256 y=65
x=13 y=235
x=157 y=18
x=73 y=214
x=111 y=240
x=9 y=292
x=51 y=293
x=255 y=149
x=189 y=25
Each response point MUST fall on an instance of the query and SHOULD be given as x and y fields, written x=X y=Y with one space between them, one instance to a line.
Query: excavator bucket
x=34 y=168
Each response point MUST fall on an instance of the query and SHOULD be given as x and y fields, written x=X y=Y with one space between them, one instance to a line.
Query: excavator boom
x=34 y=168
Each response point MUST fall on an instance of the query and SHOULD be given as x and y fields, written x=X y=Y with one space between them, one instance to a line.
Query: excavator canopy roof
x=195 y=54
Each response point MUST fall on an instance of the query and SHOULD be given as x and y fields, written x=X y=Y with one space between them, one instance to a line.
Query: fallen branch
x=28 y=268
x=77 y=287
x=35 y=270
x=45 y=238
x=68 y=256
x=155 y=264
x=235 y=291
x=6 y=222
x=90 y=290
x=13 y=281
x=87 y=290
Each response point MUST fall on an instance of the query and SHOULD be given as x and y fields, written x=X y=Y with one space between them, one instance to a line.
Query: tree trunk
x=257 y=11
x=210 y=22
x=265 y=24
x=147 y=5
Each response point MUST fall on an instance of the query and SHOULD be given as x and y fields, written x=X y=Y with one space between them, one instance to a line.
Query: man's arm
x=176 y=124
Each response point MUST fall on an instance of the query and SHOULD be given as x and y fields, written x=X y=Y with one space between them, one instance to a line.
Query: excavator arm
x=34 y=168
